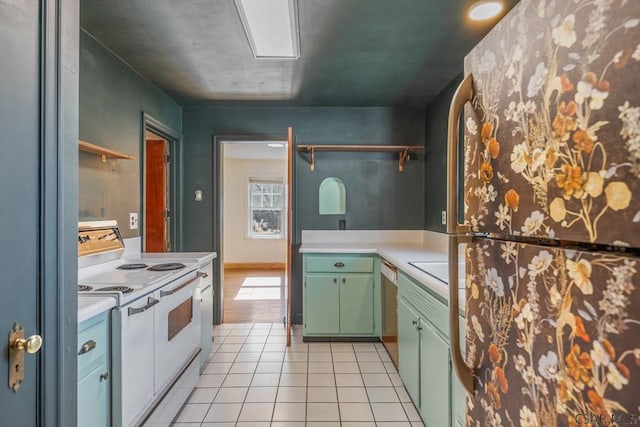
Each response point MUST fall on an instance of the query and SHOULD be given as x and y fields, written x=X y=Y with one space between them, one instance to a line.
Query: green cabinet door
x=321 y=304
x=93 y=398
x=409 y=349
x=356 y=304
x=434 y=377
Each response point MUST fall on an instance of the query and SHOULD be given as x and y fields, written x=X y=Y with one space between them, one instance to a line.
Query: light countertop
x=92 y=306
x=399 y=254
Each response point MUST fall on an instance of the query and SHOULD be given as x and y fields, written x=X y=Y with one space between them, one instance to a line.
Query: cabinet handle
x=344 y=280
x=87 y=347
x=414 y=322
x=419 y=328
x=104 y=377
x=339 y=264
x=203 y=274
x=150 y=303
x=335 y=280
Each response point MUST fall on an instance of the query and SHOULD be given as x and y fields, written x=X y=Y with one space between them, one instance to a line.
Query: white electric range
x=155 y=326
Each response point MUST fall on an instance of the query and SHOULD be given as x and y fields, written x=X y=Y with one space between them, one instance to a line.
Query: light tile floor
x=253 y=380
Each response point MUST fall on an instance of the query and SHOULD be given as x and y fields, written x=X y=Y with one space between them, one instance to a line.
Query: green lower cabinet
x=409 y=349
x=356 y=304
x=93 y=372
x=322 y=304
x=93 y=398
x=434 y=377
x=339 y=295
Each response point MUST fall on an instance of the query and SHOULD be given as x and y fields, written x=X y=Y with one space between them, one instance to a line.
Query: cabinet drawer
x=338 y=264
x=429 y=307
x=93 y=343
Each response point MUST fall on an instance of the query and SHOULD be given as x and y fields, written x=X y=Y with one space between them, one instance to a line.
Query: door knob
x=18 y=346
x=31 y=344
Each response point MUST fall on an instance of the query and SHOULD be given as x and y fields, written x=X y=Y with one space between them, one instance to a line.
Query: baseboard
x=254 y=266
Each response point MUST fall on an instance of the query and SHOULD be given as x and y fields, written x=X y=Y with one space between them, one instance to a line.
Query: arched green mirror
x=333 y=197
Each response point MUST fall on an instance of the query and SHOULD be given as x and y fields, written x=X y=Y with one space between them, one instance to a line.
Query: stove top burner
x=123 y=289
x=84 y=288
x=131 y=266
x=166 y=266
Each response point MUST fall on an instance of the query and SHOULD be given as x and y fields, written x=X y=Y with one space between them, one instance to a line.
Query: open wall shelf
x=103 y=151
x=403 y=150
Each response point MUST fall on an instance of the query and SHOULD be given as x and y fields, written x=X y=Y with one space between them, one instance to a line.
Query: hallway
x=252 y=295
x=252 y=379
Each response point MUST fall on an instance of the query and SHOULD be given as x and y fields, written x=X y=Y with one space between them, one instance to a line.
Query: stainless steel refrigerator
x=549 y=162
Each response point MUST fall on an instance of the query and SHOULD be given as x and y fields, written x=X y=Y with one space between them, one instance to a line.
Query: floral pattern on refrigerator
x=553 y=335
x=552 y=138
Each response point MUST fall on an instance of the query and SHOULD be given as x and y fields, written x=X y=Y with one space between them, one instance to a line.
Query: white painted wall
x=237 y=247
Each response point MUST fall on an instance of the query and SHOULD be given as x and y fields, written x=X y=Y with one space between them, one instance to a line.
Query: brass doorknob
x=31 y=344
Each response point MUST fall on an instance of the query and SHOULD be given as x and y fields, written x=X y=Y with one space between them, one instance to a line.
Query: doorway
x=254 y=230
x=157 y=193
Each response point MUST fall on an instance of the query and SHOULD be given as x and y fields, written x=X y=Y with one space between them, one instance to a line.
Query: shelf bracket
x=404 y=157
x=312 y=162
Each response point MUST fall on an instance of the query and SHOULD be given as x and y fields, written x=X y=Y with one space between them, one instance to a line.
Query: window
x=266 y=208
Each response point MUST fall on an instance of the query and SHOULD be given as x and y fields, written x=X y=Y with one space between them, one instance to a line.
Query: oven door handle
x=150 y=303
x=176 y=289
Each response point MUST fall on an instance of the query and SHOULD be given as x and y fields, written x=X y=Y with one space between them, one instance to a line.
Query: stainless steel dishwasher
x=389 y=280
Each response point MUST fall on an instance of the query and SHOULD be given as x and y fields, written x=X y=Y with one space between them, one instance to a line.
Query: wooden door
x=155 y=207
x=289 y=266
x=20 y=203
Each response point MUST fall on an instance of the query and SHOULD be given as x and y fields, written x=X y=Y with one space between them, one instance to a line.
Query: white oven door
x=133 y=385
x=177 y=328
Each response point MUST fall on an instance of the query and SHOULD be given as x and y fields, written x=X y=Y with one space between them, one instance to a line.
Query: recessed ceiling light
x=275 y=145
x=271 y=27
x=485 y=9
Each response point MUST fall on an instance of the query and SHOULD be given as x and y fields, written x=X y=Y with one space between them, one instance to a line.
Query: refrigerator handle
x=463 y=371
x=463 y=94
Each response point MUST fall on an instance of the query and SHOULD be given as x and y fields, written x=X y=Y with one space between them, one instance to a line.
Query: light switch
x=444 y=217
x=198 y=196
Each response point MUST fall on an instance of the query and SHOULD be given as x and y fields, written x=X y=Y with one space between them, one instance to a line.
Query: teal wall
x=436 y=116
x=378 y=196
x=112 y=99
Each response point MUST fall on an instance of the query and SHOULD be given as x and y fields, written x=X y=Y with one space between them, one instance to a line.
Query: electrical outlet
x=444 y=217
x=133 y=220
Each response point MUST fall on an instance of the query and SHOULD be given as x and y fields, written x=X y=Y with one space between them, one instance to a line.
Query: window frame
x=266 y=180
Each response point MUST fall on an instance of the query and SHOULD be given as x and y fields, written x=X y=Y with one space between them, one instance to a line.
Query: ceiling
x=353 y=52
x=254 y=150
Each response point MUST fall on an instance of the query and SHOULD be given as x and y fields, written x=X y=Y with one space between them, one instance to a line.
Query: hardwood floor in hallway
x=254 y=296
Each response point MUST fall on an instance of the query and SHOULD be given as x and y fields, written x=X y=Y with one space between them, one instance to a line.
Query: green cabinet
x=93 y=371
x=356 y=304
x=423 y=347
x=322 y=304
x=409 y=349
x=434 y=377
x=93 y=398
x=339 y=297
